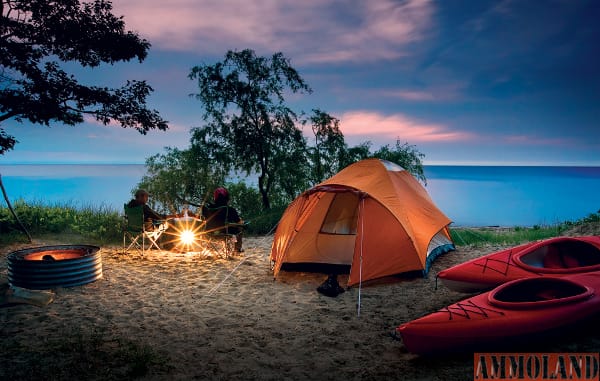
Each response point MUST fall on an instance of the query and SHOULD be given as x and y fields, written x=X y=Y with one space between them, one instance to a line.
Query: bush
x=505 y=236
x=266 y=222
x=102 y=225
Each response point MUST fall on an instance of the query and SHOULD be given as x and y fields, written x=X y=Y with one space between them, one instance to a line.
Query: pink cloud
x=449 y=91
x=312 y=31
x=375 y=125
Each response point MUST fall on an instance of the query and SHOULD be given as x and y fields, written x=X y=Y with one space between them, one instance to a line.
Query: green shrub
x=102 y=225
x=99 y=224
x=505 y=236
x=265 y=222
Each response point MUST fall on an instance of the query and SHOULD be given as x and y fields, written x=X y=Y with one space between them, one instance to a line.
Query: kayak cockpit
x=538 y=293
x=561 y=256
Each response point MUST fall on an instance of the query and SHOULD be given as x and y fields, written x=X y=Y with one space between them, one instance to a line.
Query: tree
x=329 y=148
x=180 y=176
x=405 y=155
x=37 y=36
x=249 y=127
x=353 y=154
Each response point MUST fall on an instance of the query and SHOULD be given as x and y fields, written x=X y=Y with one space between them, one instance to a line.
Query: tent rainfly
x=373 y=215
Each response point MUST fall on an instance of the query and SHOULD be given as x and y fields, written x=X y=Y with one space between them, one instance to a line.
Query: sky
x=509 y=82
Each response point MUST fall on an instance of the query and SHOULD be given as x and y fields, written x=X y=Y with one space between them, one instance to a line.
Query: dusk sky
x=467 y=82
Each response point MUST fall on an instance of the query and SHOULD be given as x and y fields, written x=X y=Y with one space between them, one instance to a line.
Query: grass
x=517 y=234
x=507 y=236
x=101 y=225
x=79 y=355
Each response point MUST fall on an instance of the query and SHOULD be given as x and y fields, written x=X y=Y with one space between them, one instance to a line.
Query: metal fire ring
x=46 y=267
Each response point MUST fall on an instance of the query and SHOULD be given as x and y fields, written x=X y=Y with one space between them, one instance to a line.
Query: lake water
x=468 y=195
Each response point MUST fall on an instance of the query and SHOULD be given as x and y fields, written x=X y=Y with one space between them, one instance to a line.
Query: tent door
x=336 y=238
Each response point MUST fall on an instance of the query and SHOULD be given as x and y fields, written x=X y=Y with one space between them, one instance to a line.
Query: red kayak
x=560 y=256
x=515 y=310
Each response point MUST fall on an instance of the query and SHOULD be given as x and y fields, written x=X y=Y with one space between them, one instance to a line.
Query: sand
x=218 y=319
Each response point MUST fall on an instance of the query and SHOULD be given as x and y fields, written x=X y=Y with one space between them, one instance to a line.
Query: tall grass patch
x=517 y=235
x=99 y=224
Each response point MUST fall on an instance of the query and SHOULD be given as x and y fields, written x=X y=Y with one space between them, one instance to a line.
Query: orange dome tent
x=373 y=215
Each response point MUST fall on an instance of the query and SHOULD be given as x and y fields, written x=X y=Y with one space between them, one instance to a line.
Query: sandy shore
x=220 y=319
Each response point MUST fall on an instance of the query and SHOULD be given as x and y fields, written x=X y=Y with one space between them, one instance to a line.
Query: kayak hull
x=514 y=310
x=556 y=257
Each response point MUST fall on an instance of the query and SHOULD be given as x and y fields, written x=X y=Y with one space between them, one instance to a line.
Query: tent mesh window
x=342 y=215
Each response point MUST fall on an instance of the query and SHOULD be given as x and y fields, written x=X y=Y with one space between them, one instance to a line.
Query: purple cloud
x=318 y=31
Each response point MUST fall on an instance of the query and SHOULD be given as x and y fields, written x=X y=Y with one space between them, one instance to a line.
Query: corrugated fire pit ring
x=46 y=267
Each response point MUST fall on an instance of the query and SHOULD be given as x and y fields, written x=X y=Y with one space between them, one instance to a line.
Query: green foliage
x=249 y=127
x=38 y=36
x=245 y=200
x=405 y=155
x=589 y=219
x=518 y=234
x=180 y=176
x=265 y=222
x=329 y=149
x=356 y=153
x=99 y=224
x=506 y=236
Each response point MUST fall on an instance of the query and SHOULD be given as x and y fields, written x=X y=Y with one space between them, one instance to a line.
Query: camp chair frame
x=134 y=230
x=216 y=234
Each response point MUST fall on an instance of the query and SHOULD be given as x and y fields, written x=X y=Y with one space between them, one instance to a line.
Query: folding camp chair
x=220 y=235
x=134 y=230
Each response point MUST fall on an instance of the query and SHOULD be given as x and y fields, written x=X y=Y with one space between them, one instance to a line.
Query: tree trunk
x=12 y=211
x=263 y=192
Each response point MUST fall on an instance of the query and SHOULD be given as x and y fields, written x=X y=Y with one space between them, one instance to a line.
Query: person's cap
x=141 y=192
x=221 y=193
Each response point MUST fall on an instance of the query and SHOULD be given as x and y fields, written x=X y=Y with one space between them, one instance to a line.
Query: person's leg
x=238 y=242
x=238 y=237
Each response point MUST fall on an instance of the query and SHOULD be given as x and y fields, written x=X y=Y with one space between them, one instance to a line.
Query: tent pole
x=360 y=213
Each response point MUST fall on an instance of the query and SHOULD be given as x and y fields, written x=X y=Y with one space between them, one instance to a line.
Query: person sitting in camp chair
x=222 y=218
x=152 y=220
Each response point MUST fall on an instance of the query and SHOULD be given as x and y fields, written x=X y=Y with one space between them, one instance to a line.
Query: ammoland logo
x=536 y=366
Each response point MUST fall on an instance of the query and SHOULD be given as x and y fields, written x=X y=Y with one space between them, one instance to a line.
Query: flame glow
x=187 y=237
x=184 y=234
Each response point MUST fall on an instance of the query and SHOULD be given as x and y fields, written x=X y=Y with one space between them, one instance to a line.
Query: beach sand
x=218 y=319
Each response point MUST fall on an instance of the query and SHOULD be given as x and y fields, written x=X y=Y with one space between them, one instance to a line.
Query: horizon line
x=425 y=164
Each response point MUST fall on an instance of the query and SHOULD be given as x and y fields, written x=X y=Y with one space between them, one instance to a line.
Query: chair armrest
x=237 y=224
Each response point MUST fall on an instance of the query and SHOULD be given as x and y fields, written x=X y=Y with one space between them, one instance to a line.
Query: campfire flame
x=187 y=237
x=186 y=234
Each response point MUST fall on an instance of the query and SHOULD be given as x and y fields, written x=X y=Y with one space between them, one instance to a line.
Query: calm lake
x=468 y=195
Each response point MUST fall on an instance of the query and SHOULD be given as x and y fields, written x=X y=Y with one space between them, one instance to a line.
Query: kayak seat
x=567 y=254
x=539 y=289
x=555 y=259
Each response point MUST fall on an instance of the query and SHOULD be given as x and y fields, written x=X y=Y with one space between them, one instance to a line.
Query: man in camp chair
x=154 y=224
x=152 y=219
x=222 y=218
